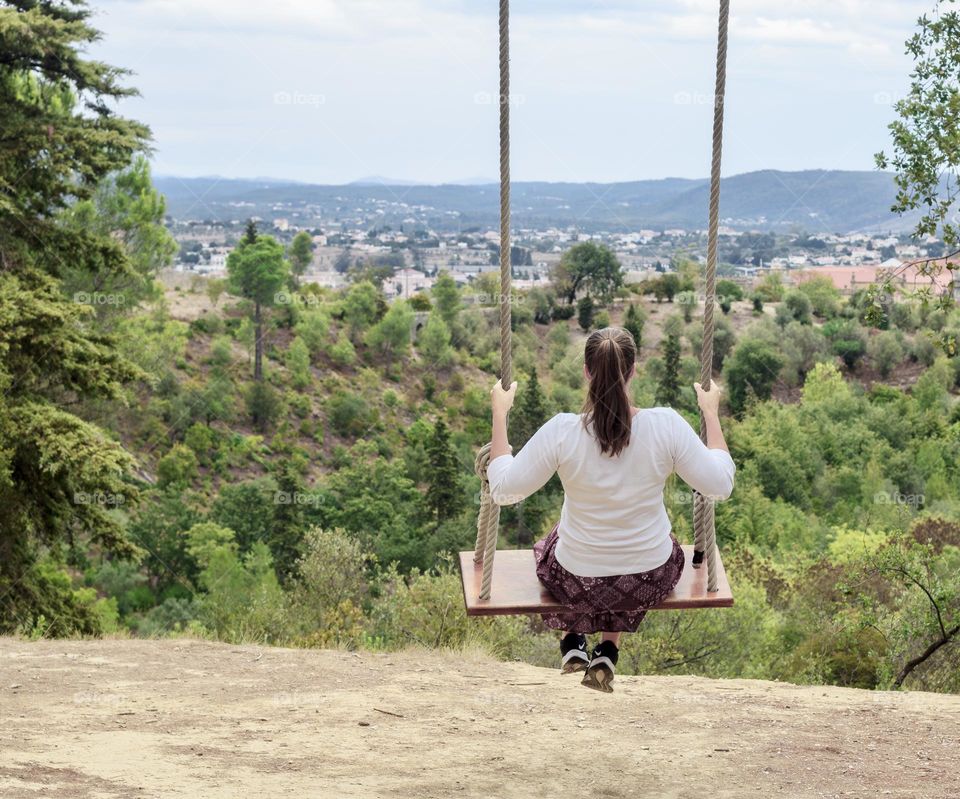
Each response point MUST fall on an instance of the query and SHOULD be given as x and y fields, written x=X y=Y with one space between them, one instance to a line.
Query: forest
x=255 y=458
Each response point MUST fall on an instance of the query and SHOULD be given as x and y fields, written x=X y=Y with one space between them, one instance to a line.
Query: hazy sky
x=334 y=90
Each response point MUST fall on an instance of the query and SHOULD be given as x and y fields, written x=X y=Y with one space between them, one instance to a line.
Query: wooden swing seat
x=516 y=589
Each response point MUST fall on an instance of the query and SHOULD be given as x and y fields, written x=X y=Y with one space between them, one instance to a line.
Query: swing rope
x=704 y=530
x=488 y=520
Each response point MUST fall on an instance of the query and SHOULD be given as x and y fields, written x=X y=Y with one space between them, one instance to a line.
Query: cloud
x=390 y=86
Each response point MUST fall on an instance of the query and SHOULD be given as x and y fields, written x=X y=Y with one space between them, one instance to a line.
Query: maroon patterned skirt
x=609 y=604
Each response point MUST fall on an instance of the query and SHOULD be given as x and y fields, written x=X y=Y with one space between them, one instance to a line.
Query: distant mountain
x=377 y=180
x=481 y=181
x=814 y=201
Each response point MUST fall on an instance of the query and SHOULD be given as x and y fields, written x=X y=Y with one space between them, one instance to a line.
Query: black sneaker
x=603 y=663
x=573 y=653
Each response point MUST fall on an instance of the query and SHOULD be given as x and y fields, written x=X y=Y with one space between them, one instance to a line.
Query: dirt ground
x=183 y=718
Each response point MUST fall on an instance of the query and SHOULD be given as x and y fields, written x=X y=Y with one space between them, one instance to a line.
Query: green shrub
x=178 y=468
x=350 y=414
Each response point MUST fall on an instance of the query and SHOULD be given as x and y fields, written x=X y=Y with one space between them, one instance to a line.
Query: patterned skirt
x=609 y=604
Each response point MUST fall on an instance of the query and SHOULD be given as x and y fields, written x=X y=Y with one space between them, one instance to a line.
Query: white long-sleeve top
x=613 y=519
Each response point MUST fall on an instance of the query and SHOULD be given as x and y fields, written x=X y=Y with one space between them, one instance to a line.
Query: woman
x=612 y=555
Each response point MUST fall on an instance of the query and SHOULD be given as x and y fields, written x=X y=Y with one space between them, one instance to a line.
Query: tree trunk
x=912 y=664
x=257 y=344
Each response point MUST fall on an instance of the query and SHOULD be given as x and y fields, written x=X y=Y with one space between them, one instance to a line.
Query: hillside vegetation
x=321 y=504
x=256 y=459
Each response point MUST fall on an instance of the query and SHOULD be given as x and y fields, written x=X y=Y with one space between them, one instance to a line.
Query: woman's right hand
x=709 y=401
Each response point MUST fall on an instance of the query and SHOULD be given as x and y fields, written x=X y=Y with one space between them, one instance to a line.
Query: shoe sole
x=573 y=666
x=600 y=678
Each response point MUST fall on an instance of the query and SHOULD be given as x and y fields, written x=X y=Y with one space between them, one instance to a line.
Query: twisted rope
x=705 y=534
x=488 y=521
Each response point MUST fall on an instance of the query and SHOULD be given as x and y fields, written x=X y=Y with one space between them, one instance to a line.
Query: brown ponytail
x=609 y=356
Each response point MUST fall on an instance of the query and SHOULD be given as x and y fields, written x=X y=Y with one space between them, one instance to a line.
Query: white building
x=326 y=279
x=406 y=282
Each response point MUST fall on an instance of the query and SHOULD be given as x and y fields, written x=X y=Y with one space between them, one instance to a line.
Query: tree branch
x=911 y=664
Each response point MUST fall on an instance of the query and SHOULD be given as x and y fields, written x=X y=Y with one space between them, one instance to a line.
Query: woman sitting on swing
x=612 y=555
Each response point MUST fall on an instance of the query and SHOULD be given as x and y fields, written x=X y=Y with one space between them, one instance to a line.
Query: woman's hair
x=610 y=355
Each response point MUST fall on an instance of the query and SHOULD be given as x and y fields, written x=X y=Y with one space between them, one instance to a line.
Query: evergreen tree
x=447 y=297
x=360 y=307
x=530 y=412
x=445 y=496
x=249 y=233
x=60 y=476
x=434 y=342
x=298 y=363
x=129 y=210
x=668 y=389
x=285 y=537
x=257 y=271
x=263 y=404
x=633 y=324
x=585 y=310
x=391 y=335
x=301 y=255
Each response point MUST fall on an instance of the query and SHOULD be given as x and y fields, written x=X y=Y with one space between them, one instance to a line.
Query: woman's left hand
x=502 y=399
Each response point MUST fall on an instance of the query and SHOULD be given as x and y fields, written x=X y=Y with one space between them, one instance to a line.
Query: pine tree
x=61 y=477
x=433 y=342
x=301 y=255
x=249 y=233
x=633 y=324
x=530 y=412
x=285 y=538
x=668 y=389
x=585 y=310
x=447 y=297
x=257 y=271
x=444 y=493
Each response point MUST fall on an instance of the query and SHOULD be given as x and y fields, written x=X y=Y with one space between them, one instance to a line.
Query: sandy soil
x=184 y=718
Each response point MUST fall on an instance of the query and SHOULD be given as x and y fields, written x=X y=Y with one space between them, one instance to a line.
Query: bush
x=313 y=329
x=324 y=603
x=177 y=468
x=350 y=415
x=208 y=323
x=823 y=296
x=297 y=360
x=221 y=351
x=342 y=352
x=796 y=307
x=585 y=311
x=601 y=320
x=242 y=600
x=751 y=372
x=263 y=405
x=770 y=288
x=434 y=342
x=848 y=340
x=420 y=302
x=885 y=351
x=427 y=609
x=729 y=291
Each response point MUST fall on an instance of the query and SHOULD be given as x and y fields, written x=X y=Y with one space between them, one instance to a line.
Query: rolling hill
x=815 y=200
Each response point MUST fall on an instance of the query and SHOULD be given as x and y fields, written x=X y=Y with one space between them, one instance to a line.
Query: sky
x=332 y=91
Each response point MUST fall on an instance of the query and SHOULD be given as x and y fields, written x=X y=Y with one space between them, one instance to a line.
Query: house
x=406 y=282
x=904 y=277
x=327 y=279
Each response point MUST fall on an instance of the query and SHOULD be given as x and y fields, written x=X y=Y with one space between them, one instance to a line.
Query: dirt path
x=185 y=718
